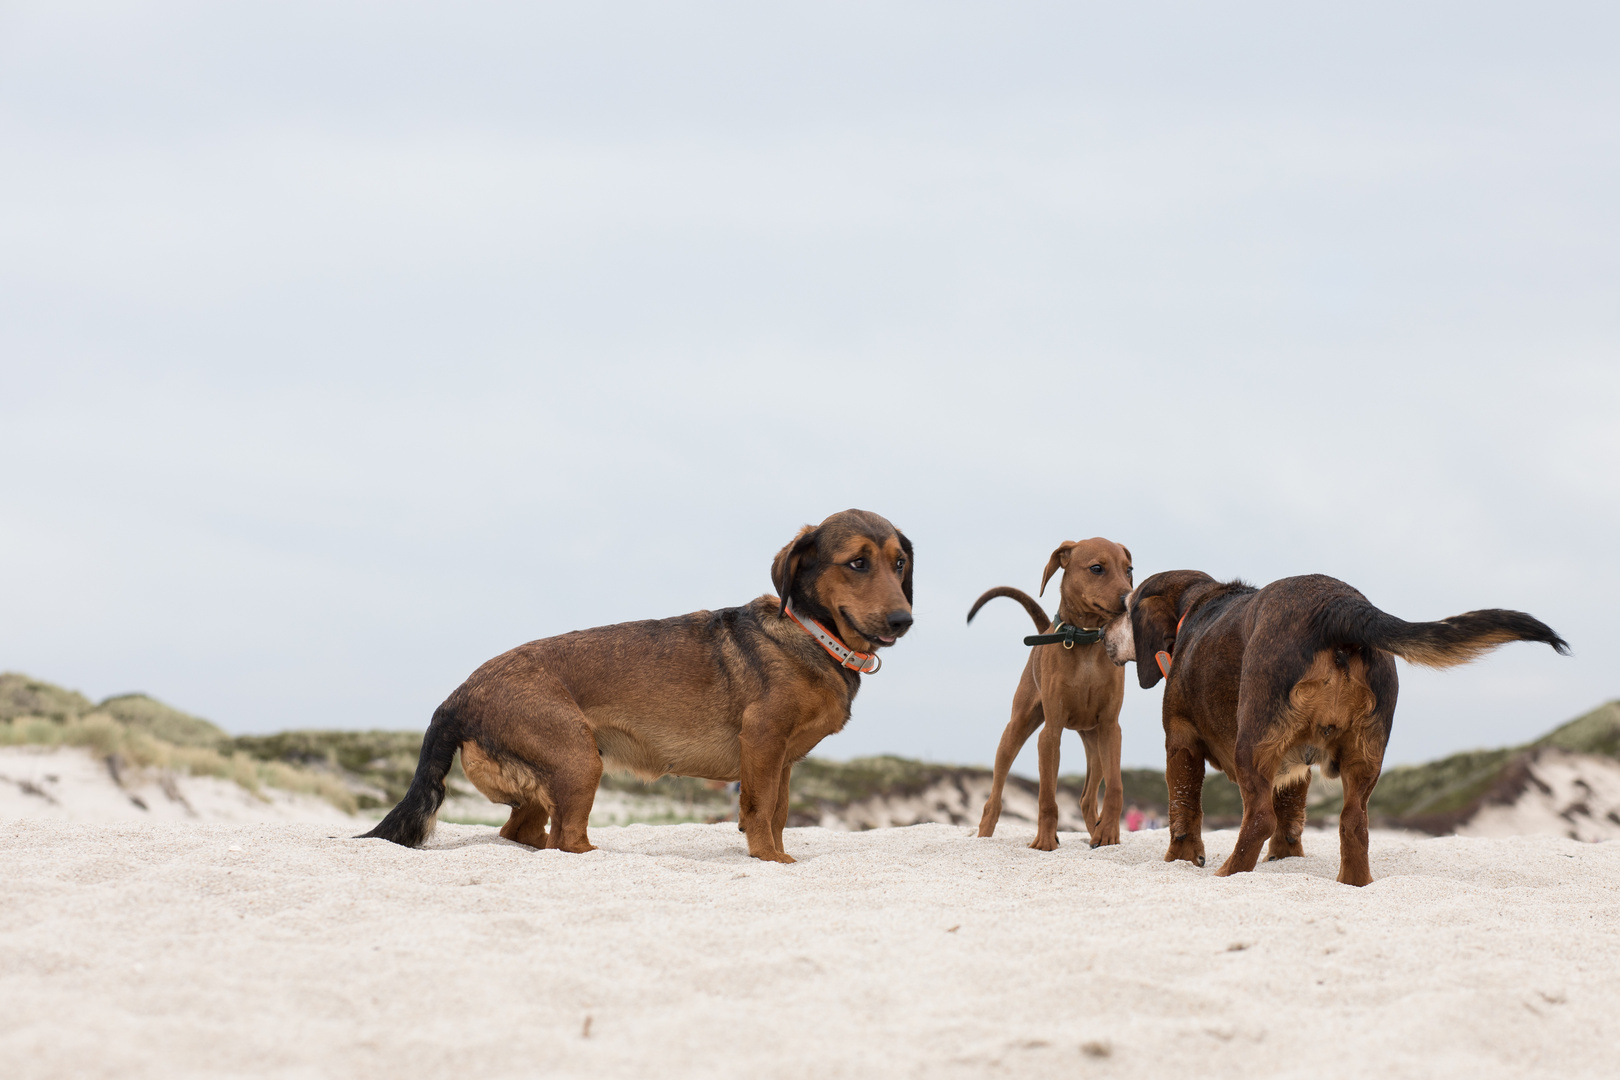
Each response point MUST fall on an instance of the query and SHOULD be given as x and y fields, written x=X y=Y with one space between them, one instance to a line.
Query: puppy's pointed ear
x=905 y=578
x=1153 y=625
x=785 y=567
x=1060 y=557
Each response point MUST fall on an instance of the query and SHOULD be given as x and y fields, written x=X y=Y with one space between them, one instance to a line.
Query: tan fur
x=1454 y=655
x=1076 y=689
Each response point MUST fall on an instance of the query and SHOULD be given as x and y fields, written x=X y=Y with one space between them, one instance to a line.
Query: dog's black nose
x=899 y=620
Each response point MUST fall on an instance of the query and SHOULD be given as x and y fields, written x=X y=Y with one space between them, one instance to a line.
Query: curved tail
x=1034 y=609
x=1446 y=643
x=412 y=821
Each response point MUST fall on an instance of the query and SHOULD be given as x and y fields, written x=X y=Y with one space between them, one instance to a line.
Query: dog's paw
x=1185 y=848
x=1044 y=843
x=775 y=856
x=1289 y=848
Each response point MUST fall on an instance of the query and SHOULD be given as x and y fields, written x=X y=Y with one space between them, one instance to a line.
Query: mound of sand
x=72 y=784
x=162 y=950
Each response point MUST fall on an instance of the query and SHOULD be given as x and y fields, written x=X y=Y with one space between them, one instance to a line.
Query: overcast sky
x=345 y=346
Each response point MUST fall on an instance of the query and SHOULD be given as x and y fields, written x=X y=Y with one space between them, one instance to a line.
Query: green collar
x=1068 y=634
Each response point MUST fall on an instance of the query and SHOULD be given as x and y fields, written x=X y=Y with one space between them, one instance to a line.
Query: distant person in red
x=1133 y=819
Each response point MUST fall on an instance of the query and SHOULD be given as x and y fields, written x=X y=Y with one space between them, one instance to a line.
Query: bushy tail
x=1457 y=640
x=1034 y=609
x=412 y=821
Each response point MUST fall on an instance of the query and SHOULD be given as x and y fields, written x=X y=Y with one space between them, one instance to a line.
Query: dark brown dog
x=739 y=693
x=1261 y=683
x=1074 y=687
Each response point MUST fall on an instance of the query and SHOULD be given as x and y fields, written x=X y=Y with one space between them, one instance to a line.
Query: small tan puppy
x=1069 y=684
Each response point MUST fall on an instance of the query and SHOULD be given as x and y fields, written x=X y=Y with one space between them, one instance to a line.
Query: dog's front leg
x=1095 y=775
x=1048 y=747
x=784 y=794
x=1109 y=740
x=764 y=784
x=1184 y=783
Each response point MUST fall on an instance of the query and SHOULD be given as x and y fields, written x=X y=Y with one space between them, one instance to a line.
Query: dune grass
x=128 y=747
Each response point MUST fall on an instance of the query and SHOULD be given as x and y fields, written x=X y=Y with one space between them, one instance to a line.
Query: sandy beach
x=173 y=949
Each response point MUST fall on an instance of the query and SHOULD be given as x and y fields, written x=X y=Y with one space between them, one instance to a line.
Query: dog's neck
x=864 y=663
x=1065 y=615
x=1201 y=593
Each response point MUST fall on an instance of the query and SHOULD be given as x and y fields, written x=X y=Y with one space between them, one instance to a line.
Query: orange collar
x=867 y=663
x=1163 y=657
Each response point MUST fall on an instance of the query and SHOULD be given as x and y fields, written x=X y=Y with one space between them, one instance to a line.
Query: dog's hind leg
x=513 y=783
x=1354 y=867
x=1027 y=715
x=573 y=792
x=1259 y=819
x=530 y=746
x=527 y=825
x=1289 y=804
x=1254 y=780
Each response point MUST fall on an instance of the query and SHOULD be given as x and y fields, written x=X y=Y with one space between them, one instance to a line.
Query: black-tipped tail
x=412 y=820
x=1446 y=643
x=1030 y=605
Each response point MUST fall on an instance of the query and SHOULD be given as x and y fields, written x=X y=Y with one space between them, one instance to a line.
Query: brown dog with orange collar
x=1069 y=683
x=741 y=693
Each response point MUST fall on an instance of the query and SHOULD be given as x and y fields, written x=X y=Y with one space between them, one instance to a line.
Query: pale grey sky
x=346 y=345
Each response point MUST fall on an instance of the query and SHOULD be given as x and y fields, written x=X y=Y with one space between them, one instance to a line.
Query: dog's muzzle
x=1119 y=640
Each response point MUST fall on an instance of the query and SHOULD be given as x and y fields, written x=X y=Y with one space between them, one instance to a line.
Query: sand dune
x=1555 y=793
x=72 y=784
x=289 y=950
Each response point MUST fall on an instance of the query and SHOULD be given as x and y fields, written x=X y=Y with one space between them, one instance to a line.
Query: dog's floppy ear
x=1060 y=557
x=785 y=567
x=1153 y=626
x=905 y=578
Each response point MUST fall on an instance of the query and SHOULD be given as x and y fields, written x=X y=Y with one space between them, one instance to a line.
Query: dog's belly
x=651 y=748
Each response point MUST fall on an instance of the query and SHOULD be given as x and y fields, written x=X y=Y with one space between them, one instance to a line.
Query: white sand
x=171 y=950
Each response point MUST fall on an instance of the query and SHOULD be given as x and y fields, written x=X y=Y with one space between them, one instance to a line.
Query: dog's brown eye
x=858 y=564
x=899 y=565
x=1095 y=568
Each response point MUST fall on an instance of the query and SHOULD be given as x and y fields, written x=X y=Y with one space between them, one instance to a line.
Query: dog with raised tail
x=1069 y=684
x=1264 y=683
